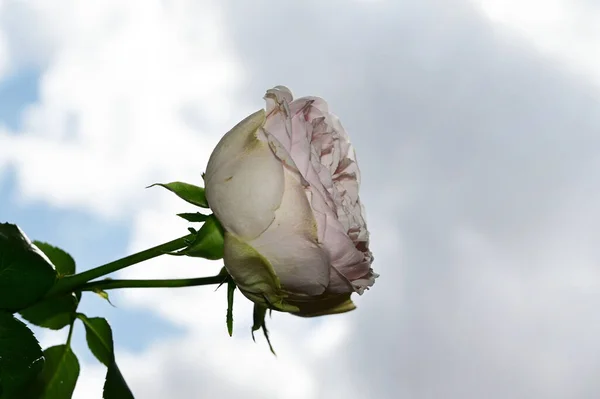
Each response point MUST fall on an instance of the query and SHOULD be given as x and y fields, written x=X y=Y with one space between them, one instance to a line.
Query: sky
x=475 y=124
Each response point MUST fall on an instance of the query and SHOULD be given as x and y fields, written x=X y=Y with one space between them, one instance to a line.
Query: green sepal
x=208 y=242
x=196 y=217
x=187 y=192
x=259 y=322
x=229 y=317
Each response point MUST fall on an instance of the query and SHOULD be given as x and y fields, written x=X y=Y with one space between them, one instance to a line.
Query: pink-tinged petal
x=279 y=126
x=276 y=96
x=289 y=135
x=343 y=253
x=338 y=283
x=331 y=232
x=318 y=107
x=312 y=143
x=299 y=148
x=365 y=282
x=280 y=152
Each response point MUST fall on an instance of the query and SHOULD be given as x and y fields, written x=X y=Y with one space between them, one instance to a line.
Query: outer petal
x=291 y=245
x=244 y=180
x=252 y=273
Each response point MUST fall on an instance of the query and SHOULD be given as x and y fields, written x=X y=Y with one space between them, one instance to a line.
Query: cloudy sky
x=477 y=129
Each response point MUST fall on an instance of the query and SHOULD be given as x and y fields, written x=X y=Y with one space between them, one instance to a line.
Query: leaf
x=59 y=376
x=25 y=272
x=193 y=217
x=208 y=243
x=229 y=317
x=54 y=312
x=62 y=261
x=259 y=322
x=187 y=192
x=98 y=335
x=100 y=341
x=115 y=386
x=21 y=358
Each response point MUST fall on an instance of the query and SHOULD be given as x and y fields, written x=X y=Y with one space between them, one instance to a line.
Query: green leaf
x=98 y=335
x=62 y=261
x=193 y=217
x=187 y=192
x=115 y=386
x=59 y=376
x=21 y=357
x=100 y=341
x=54 y=312
x=259 y=322
x=25 y=272
x=229 y=317
x=208 y=243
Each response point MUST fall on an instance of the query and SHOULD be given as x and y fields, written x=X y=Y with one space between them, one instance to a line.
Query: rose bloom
x=284 y=184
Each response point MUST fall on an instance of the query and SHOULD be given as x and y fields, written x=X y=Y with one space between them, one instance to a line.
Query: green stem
x=71 y=283
x=70 y=332
x=169 y=283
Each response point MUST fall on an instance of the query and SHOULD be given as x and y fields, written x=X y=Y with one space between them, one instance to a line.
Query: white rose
x=284 y=184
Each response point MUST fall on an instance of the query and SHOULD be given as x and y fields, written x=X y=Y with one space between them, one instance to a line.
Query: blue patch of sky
x=91 y=241
x=17 y=90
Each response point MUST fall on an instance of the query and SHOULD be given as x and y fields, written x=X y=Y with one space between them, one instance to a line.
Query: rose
x=284 y=185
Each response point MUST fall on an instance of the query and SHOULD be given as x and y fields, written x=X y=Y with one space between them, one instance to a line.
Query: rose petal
x=291 y=244
x=276 y=96
x=241 y=197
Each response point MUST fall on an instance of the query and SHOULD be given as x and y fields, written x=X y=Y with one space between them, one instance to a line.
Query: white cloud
x=4 y=49
x=564 y=29
x=213 y=366
x=4 y=56
x=118 y=102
